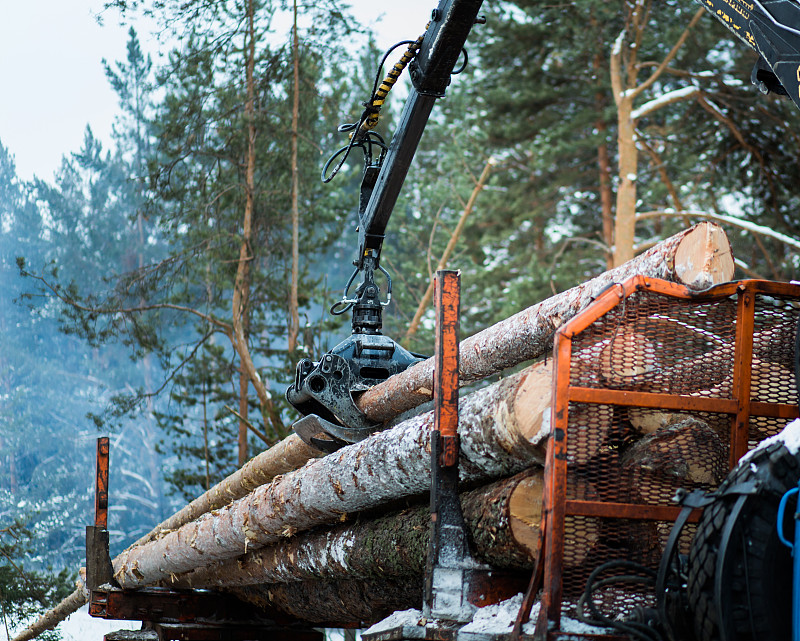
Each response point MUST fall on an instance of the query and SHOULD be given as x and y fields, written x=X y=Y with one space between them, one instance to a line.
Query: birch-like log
x=503 y=520
x=500 y=431
x=698 y=257
x=281 y=458
x=52 y=618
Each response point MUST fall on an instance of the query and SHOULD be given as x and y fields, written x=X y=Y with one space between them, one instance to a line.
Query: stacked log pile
x=291 y=527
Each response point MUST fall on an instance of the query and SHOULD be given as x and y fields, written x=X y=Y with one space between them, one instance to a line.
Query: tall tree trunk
x=606 y=195
x=205 y=437
x=624 y=69
x=243 y=407
x=625 y=220
x=241 y=289
x=294 y=312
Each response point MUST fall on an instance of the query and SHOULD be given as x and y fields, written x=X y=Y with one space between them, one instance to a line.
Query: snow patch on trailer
x=790 y=437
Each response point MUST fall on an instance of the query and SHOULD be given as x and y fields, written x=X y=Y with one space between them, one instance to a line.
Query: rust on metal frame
x=555 y=480
x=555 y=505
x=651 y=399
x=742 y=363
x=101 y=483
x=637 y=511
x=170 y=606
x=447 y=293
x=487 y=587
x=678 y=402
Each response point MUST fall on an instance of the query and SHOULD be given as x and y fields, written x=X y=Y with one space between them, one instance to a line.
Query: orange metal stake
x=101 y=484
x=99 y=570
x=447 y=294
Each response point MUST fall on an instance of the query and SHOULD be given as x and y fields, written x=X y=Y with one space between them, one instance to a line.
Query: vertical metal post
x=449 y=562
x=447 y=300
x=742 y=365
x=99 y=571
x=101 y=484
x=555 y=490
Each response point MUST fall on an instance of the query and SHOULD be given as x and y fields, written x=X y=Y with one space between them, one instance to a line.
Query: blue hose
x=795 y=559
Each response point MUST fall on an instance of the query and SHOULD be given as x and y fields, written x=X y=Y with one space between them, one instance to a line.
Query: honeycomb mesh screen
x=624 y=453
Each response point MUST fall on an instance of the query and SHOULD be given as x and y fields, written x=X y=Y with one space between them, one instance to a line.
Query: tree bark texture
x=286 y=456
x=294 y=306
x=497 y=439
x=529 y=334
x=356 y=603
x=686 y=454
x=290 y=454
x=503 y=519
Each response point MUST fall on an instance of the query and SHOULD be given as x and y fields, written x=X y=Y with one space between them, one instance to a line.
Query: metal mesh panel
x=651 y=343
x=772 y=374
x=628 y=450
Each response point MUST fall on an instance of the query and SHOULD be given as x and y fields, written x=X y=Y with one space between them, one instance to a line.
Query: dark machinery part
x=324 y=390
x=740 y=575
x=772 y=29
x=430 y=72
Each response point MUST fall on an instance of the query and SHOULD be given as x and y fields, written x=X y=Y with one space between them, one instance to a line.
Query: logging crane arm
x=323 y=391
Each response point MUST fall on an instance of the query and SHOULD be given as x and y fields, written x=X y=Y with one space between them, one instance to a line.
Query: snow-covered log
x=697 y=257
x=283 y=457
x=503 y=519
x=500 y=434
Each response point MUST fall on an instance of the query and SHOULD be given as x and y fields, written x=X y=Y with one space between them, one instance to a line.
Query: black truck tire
x=756 y=600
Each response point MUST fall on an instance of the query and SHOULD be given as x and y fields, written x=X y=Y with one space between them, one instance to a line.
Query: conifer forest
x=161 y=288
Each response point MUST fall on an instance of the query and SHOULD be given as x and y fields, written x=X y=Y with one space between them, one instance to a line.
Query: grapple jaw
x=325 y=391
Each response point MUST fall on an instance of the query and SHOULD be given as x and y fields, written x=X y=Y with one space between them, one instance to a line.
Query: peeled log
x=497 y=434
x=503 y=520
x=281 y=458
x=50 y=619
x=697 y=257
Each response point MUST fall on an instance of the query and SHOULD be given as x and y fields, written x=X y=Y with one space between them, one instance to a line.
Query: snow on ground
x=81 y=627
x=494 y=619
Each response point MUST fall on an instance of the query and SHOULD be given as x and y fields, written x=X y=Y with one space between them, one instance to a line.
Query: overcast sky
x=52 y=82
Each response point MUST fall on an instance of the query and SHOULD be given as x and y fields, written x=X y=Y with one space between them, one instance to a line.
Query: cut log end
x=525 y=513
x=704 y=257
x=532 y=402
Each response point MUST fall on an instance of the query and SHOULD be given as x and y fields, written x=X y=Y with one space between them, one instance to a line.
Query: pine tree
x=218 y=194
x=25 y=592
x=543 y=100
